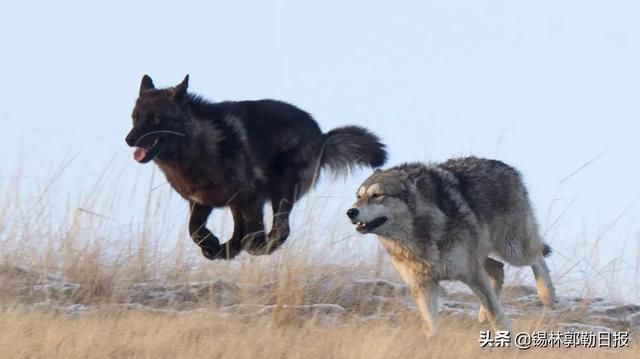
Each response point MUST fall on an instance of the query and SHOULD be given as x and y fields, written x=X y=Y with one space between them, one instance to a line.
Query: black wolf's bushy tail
x=349 y=147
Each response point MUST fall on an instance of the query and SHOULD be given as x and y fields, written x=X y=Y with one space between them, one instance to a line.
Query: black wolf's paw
x=205 y=239
x=260 y=247
x=227 y=251
x=210 y=251
x=255 y=246
x=277 y=237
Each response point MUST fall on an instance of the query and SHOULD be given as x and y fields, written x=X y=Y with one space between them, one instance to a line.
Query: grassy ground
x=138 y=334
x=103 y=259
x=284 y=283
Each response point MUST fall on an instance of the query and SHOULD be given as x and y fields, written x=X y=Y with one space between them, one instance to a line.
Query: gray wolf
x=241 y=154
x=442 y=221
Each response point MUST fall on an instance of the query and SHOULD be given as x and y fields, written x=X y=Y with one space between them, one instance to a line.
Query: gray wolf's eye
x=376 y=195
x=358 y=196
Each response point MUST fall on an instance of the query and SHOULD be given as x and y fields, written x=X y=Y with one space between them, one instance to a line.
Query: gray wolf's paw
x=482 y=315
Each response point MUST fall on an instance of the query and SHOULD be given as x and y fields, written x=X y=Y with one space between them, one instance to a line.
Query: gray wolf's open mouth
x=144 y=154
x=366 y=227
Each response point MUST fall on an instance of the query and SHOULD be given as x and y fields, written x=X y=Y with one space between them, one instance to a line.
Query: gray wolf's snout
x=352 y=213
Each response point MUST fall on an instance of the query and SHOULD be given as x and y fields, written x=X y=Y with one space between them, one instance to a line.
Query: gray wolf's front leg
x=426 y=297
x=424 y=291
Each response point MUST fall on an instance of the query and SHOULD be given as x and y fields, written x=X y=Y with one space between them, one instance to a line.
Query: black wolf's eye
x=156 y=119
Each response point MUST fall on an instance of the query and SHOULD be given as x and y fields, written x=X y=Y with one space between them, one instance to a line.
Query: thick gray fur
x=444 y=221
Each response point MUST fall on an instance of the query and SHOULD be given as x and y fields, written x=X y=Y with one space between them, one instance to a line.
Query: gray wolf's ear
x=181 y=89
x=146 y=84
x=412 y=177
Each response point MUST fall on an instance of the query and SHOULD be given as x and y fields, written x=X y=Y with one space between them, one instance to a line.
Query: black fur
x=241 y=154
x=350 y=146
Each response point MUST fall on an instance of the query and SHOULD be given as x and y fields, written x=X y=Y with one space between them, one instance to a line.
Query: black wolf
x=241 y=154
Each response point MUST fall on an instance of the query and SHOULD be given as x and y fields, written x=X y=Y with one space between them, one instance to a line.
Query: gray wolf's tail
x=350 y=147
x=546 y=250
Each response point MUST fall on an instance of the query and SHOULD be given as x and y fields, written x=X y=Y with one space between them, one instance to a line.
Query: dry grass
x=137 y=334
x=105 y=257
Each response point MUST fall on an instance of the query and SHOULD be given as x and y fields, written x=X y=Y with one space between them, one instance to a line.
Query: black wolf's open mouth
x=148 y=145
x=144 y=154
x=365 y=227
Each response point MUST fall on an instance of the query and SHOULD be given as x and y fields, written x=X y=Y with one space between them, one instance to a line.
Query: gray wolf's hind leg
x=544 y=287
x=481 y=286
x=495 y=270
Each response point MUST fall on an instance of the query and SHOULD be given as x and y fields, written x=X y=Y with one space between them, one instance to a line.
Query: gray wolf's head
x=383 y=203
x=160 y=120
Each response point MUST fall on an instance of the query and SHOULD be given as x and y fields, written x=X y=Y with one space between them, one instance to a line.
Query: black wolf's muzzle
x=131 y=139
x=147 y=145
x=135 y=136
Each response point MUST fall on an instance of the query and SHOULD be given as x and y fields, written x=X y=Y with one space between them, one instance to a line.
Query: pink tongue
x=139 y=153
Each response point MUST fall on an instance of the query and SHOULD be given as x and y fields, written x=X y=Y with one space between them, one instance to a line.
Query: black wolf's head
x=160 y=120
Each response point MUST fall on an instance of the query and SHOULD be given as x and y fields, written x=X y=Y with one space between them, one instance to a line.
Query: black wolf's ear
x=146 y=84
x=181 y=89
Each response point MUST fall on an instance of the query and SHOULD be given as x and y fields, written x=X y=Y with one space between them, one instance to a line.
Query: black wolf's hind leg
x=208 y=243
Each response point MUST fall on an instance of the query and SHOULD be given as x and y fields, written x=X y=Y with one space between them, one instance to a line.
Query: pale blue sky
x=543 y=85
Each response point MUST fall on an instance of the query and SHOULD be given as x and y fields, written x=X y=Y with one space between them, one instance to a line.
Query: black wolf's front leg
x=280 y=229
x=248 y=230
x=208 y=243
x=283 y=195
